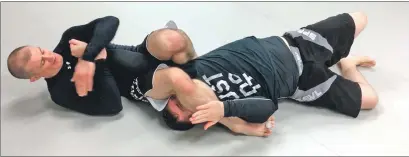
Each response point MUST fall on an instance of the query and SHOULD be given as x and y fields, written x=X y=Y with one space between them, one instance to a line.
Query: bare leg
x=260 y=129
x=350 y=71
x=240 y=126
x=360 y=20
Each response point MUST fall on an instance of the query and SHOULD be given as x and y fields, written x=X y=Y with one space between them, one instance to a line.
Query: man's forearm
x=254 y=109
x=104 y=31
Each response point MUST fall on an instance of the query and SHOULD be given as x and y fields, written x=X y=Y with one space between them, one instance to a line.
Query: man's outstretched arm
x=104 y=30
x=164 y=45
x=253 y=109
x=174 y=81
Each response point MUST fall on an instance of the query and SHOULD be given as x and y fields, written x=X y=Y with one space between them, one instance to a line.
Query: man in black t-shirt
x=245 y=78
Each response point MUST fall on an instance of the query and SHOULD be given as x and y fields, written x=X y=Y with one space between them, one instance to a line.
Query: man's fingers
x=200 y=119
x=80 y=87
x=80 y=84
x=90 y=82
x=199 y=113
x=267 y=133
x=209 y=124
x=199 y=116
x=73 y=41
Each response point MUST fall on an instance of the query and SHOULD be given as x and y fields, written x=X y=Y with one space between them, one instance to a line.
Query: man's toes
x=369 y=63
x=269 y=125
x=267 y=133
x=365 y=61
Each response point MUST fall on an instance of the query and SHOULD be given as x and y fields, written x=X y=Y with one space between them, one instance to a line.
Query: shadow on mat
x=35 y=106
x=27 y=106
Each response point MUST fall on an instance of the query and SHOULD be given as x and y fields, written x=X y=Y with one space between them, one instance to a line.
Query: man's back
x=246 y=68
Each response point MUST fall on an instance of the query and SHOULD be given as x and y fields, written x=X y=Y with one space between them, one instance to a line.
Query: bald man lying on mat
x=88 y=74
x=245 y=78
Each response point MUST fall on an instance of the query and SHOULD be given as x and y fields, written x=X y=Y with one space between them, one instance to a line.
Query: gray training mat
x=32 y=125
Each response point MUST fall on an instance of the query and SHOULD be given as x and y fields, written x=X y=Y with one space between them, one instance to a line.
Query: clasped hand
x=83 y=77
x=211 y=113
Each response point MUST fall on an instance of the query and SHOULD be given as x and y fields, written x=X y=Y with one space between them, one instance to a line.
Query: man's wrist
x=88 y=58
x=222 y=109
x=226 y=109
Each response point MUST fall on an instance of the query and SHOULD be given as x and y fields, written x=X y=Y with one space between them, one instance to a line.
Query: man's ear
x=34 y=78
x=171 y=24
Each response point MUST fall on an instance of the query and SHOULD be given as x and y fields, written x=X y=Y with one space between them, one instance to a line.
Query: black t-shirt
x=249 y=67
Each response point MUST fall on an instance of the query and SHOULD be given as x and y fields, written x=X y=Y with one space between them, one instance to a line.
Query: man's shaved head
x=17 y=62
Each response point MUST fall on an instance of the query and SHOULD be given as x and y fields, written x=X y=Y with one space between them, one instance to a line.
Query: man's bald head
x=17 y=62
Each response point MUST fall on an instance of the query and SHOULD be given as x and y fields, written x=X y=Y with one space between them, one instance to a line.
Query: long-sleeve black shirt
x=105 y=97
x=127 y=70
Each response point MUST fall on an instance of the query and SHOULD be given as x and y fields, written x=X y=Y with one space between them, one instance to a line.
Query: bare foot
x=260 y=129
x=363 y=61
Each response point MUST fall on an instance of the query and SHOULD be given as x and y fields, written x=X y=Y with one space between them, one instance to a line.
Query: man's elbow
x=257 y=119
x=262 y=116
x=105 y=112
x=110 y=107
x=181 y=82
x=114 y=20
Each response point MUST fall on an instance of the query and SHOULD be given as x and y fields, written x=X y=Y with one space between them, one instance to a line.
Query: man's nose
x=48 y=57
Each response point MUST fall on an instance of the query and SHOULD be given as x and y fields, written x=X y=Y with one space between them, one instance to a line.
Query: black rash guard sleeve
x=103 y=31
x=141 y=48
x=123 y=47
x=252 y=109
x=105 y=98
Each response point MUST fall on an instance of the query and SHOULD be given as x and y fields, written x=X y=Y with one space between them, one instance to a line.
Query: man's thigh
x=321 y=87
x=326 y=41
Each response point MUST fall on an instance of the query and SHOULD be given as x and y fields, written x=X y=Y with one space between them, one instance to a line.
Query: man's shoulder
x=54 y=82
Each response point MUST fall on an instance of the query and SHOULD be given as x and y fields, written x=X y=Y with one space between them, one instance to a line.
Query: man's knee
x=164 y=43
x=369 y=97
x=360 y=20
x=175 y=42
